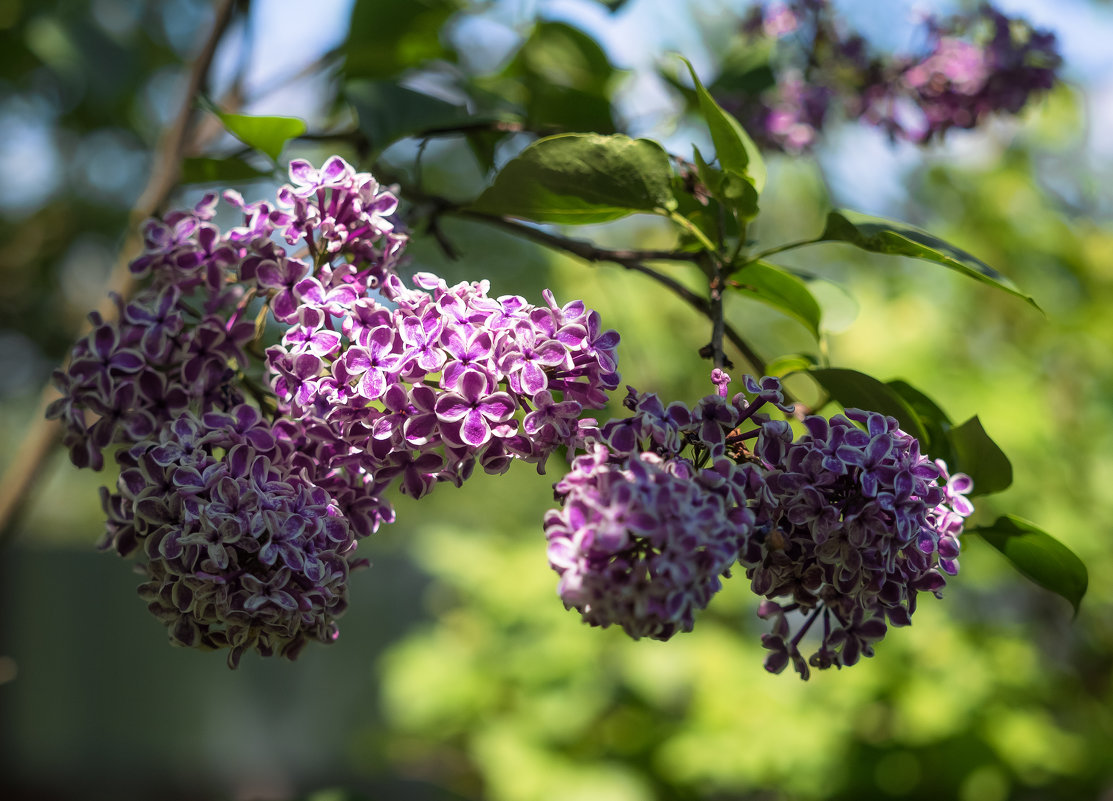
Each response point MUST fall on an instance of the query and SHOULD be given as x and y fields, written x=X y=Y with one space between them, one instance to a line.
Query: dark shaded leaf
x=581 y=178
x=879 y=235
x=1038 y=556
x=229 y=171
x=565 y=79
x=935 y=420
x=389 y=112
x=387 y=36
x=783 y=291
x=858 y=390
x=980 y=458
x=266 y=134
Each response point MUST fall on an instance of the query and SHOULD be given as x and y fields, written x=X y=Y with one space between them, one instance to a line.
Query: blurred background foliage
x=458 y=674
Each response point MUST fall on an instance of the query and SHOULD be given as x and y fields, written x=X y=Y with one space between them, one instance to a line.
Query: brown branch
x=633 y=260
x=43 y=436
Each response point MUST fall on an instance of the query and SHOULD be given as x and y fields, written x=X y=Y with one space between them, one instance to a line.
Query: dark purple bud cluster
x=853 y=524
x=973 y=66
x=241 y=550
x=247 y=515
x=847 y=523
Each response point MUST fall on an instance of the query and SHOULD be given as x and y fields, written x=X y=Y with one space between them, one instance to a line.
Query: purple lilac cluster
x=972 y=67
x=847 y=523
x=241 y=551
x=651 y=515
x=854 y=522
x=444 y=378
x=247 y=524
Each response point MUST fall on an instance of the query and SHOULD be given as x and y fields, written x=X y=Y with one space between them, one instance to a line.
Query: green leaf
x=935 y=421
x=389 y=112
x=734 y=149
x=385 y=37
x=980 y=458
x=581 y=178
x=783 y=291
x=879 y=235
x=564 y=78
x=1038 y=556
x=266 y=134
x=227 y=171
x=792 y=363
x=858 y=390
x=560 y=54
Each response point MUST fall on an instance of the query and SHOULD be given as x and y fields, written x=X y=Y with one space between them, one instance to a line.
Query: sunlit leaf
x=879 y=235
x=581 y=178
x=266 y=134
x=1038 y=556
x=980 y=458
x=792 y=363
x=780 y=289
x=858 y=390
x=734 y=149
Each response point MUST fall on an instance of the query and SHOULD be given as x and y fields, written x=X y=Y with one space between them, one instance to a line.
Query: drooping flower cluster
x=972 y=66
x=854 y=523
x=848 y=523
x=361 y=394
x=644 y=535
x=241 y=551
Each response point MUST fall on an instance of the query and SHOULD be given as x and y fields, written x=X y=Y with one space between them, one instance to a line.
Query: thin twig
x=44 y=435
x=590 y=253
x=577 y=247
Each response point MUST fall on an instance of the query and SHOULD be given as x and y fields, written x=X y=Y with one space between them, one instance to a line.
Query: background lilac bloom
x=974 y=65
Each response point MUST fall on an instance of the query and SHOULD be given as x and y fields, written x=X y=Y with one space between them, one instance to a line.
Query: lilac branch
x=44 y=435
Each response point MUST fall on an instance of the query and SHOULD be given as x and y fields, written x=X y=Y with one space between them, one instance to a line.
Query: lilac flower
x=237 y=556
x=474 y=408
x=639 y=542
x=247 y=515
x=854 y=524
x=974 y=65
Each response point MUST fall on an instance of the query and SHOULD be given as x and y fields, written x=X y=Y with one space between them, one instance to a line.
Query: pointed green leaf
x=226 y=171
x=783 y=291
x=581 y=178
x=879 y=235
x=980 y=458
x=1038 y=556
x=734 y=148
x=858 y=390
x=266 y=134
